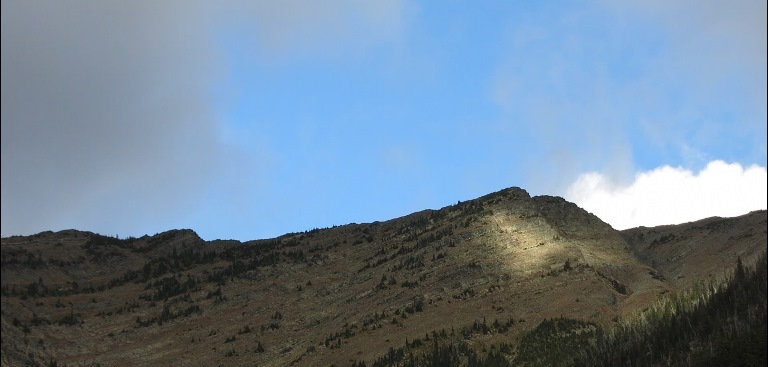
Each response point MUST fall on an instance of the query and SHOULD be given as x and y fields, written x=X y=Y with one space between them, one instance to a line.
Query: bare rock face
x=334 y=295
x=574 y=222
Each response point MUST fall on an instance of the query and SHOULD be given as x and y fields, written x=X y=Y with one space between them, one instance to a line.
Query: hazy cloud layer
x=713 y=56
x=108 y=119
x=104 y=118
x=669 y=195
x=621 y=86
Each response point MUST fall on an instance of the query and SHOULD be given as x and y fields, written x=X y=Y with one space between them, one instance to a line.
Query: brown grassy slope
x=356 y=291
x=694 y=252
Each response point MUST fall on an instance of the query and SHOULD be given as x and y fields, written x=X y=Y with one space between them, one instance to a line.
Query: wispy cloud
x=672 y=195
x=634 y=85
x=283 y=30
x=704 y=87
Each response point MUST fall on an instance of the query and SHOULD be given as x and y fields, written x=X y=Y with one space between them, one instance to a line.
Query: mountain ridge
x=333 y=295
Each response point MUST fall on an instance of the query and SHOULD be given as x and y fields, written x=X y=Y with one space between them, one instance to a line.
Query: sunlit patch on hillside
x=527 y=242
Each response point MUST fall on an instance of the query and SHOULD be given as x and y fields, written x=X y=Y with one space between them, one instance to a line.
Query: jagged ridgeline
x=504 y=279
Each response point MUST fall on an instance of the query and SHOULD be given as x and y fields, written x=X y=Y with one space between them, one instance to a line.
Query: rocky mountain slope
x=706 y=249
x=485 y=271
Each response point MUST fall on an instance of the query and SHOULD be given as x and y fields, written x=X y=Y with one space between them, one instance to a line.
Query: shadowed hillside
x=688 y=253
x=481 y=274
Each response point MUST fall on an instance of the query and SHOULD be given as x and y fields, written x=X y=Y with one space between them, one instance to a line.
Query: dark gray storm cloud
x=102 y=102
x=109 y=115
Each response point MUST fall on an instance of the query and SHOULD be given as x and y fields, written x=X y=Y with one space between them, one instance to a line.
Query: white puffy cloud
x=672 y=195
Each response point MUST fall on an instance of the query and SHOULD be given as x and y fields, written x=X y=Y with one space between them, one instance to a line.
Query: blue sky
x=249 y=120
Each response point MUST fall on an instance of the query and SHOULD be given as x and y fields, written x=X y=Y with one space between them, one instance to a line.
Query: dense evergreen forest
x=715 y=324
